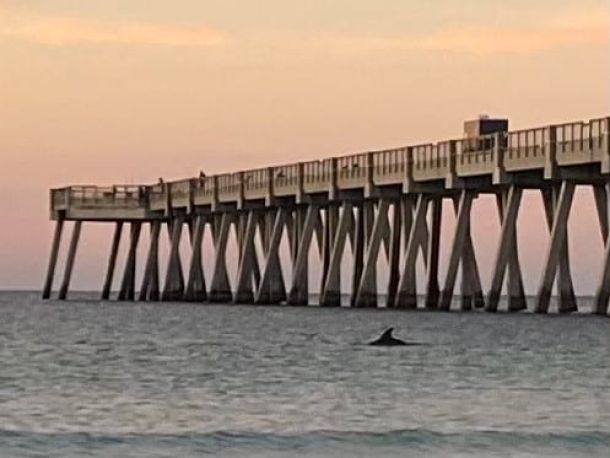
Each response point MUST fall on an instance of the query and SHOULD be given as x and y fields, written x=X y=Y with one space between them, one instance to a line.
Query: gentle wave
x=409 y=439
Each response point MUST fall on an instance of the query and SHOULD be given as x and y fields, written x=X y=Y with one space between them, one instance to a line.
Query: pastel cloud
x=60 y=31
x=578 y=28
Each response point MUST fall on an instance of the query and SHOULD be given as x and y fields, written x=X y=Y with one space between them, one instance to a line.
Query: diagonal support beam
x=266 y=226
x=298 y=290
x=386 y=237
x=127 y=291
x=245 y=271
x=432 y=288
x=462 y=227
x=517 y=300
x=472 y=290
x=357 y=252
x=220 y=288
x=65 y=285
x=600 y=192
x=602 y=293
x=406 y=296
x=331 y=291
x=48 y=285
x=367 y=291
x=319 y=230
x=556 y=256
x=272 y=289
x=395 y=231
x=150 y=281
x=114 y=250
x=195 y=287
x=506 y=251
x=330 y=229
x=173 y=289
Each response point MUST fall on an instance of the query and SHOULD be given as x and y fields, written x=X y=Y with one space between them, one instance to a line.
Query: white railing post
x=550 y=153
x=370 y=166
x=332 y=192
x=215 y=193
x=499 y=174
x=407 y=185
x=270 y=187
x=450 y=150
x=605 y=134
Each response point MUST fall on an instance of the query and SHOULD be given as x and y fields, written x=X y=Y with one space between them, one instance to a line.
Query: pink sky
x=107 y=91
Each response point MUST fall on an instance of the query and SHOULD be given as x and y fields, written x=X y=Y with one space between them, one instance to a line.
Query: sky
x=115 y=91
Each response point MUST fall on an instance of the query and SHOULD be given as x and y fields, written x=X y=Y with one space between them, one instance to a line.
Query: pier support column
x=319 y=231
x=394 y=252
x=507 y=255
x=602 y=293
x=272 y=289
x=602 y=204
x=127 y=291
x=366 y=295
x=65 y=285
x=149 y=290
x=407 y=209
x=326 y=243
x=331 y=289
x=245 y=271
x=367 y=291
x=462 y=227
x=242 y=222
x=114 y=250
x=357 y=252
x=557 y=253
x=298 y=294
x=195 y=287
x=516 y=292
x=220 y=288
x=173 y=289
x=266 y=226
x=406 y=296
x=386 y=237
x=432 y=288
x=330 y=232
x=472 y=291
x=48 y=285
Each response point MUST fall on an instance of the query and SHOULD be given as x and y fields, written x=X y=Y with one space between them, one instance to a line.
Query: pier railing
x=520 y=150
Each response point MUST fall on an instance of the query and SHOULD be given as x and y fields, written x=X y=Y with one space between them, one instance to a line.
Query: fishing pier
x=388 y=200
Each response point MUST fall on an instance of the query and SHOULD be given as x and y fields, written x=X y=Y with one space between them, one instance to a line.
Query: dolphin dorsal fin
x=387 y=334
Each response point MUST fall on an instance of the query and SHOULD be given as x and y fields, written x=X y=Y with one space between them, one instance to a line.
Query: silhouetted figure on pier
x=387 y=340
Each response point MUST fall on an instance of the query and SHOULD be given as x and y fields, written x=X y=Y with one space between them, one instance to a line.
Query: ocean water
x=86 y=378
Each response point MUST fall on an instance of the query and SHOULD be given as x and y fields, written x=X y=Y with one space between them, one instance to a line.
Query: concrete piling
x=195 y=287
x=48 y=285
x=65 y=284
x=173 y=288
x=220 y=288
x=127 y=291
x=149 y=290
x=506 y=249
x=462 y=227
x=556 y=256
x=331 y=291
x=114 y=250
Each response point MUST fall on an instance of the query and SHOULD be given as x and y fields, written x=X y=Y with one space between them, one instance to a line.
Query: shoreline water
x=140 y=379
